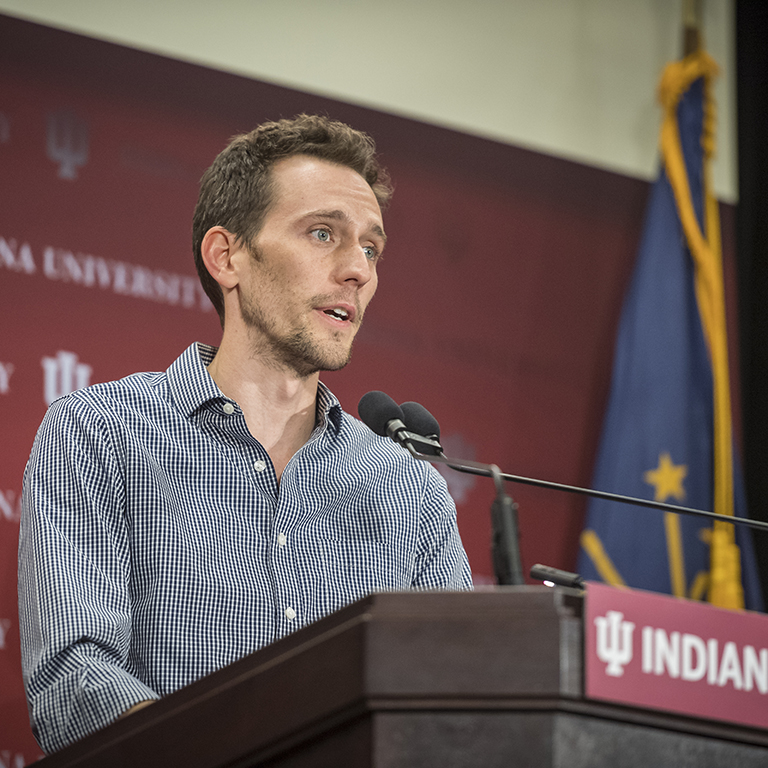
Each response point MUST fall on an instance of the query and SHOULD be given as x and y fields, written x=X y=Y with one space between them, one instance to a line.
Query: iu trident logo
x=614 y=641
x=63 y=374
x=67 y=143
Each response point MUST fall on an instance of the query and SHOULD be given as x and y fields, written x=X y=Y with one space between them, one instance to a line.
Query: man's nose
x=354 y=264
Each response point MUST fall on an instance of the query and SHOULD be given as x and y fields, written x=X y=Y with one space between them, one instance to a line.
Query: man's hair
x=237 y=191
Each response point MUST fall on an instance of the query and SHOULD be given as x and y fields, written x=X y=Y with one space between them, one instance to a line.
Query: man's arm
x=441 y=560
x=74 y=579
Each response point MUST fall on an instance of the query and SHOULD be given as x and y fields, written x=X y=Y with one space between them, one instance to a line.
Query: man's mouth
x=344 y=313
x=339 y=314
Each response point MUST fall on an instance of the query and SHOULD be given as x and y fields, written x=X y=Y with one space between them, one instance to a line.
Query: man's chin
x=335 y=362
x=309 y=365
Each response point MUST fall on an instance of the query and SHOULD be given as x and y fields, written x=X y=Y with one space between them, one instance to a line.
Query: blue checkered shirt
x=157 y=545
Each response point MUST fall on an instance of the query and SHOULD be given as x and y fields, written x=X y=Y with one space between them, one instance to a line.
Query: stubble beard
x=298 y=351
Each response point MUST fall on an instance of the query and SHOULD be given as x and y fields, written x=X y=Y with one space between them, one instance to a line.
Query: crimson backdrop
x=498 y=299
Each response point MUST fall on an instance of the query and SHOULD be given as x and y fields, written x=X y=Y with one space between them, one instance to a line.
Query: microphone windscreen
x=419 y=420
x=377 y=409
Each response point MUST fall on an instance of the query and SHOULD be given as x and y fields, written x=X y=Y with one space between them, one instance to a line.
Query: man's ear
x=217 y=249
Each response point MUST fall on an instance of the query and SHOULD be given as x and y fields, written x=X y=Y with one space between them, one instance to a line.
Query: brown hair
x=236 y=191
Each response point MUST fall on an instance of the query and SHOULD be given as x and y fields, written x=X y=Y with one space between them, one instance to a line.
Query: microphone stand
x=408 y=439
x=505 y=536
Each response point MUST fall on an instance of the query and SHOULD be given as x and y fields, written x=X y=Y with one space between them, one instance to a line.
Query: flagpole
x=691 y=26
x=725 y=588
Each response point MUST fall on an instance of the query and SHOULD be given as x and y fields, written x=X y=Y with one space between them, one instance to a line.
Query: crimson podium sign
x=668 y=653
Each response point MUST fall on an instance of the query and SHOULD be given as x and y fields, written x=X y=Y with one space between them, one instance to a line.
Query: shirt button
x=228 y=408
x=290 y=614
x=281 y=539
x=260 y=465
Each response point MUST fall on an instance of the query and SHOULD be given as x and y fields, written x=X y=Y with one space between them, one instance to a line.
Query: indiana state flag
x=667 y=434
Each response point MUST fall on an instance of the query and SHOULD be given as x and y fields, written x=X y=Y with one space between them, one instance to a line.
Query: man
x=174 y=522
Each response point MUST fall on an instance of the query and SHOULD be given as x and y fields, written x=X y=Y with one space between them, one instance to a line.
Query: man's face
x=313 y=266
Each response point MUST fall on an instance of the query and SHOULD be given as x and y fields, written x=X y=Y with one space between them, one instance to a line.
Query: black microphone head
x=421 y=422
x=377 y=409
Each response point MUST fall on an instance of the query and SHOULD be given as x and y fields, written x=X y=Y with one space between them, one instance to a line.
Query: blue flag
x=659 y=433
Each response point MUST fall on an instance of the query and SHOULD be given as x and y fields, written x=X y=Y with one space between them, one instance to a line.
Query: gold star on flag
x=667 y=478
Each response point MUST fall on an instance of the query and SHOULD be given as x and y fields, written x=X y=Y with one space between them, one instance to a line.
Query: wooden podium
x=427 y=679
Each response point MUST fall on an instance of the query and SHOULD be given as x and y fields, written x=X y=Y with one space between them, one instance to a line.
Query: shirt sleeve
x=441 y=560
x=74 y=579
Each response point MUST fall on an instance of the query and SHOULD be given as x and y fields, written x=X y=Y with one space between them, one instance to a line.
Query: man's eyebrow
x=342 y=216
x=380 y=232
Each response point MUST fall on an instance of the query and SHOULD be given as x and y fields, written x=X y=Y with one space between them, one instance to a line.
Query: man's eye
x=322 y=234
x=370 y=253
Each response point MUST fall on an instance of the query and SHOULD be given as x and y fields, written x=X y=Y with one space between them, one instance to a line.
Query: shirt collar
x=192 y=386
x=190 y=383
x=328 y=407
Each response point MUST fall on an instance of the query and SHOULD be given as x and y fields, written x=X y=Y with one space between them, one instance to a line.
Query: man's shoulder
x=135 y=388
x=110 y=405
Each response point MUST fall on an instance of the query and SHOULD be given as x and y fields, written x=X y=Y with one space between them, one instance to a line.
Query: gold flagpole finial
x=692 y=26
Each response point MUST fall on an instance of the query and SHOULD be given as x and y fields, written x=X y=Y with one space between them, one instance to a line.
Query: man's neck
x=278 y=404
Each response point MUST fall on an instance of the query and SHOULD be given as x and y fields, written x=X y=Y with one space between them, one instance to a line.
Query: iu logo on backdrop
x=63 y=374
x=67 y=140
x=9 y=760
x=10 y=510
x=6 y=369
x=5 y=625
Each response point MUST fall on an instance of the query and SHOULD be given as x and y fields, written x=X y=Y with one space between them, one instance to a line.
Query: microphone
x=418 y=419
x=382 y=414
x=386 y=418
x=421 y=422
